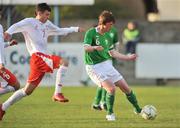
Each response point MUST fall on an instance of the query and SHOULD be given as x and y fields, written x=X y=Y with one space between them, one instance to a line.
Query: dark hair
x=43 y=7
x=106 y=17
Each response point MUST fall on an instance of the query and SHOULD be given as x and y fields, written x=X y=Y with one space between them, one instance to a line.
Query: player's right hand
x=98 y=48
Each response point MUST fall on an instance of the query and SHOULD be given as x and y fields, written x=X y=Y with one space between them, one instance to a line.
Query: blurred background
x=158 y=48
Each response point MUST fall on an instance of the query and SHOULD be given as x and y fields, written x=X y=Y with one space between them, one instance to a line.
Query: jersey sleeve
x=1 y=46
x=88 y=38
x=20 y=26
x=1 y=34
x=54 y=30
x=116 y=38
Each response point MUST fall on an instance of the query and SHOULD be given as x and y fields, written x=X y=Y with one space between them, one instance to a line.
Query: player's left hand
x=81 y=29
x=13 y=42
x=132 y=56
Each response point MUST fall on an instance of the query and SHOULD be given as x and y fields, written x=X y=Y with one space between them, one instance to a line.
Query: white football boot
x=110 y=117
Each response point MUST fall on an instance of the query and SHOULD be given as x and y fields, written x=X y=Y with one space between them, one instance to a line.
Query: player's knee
x=28 y=92
x=29 y=87
x=112 y=90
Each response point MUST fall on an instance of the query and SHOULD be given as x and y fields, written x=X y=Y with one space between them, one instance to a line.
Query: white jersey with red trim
x=36 y=33
x=1 y=45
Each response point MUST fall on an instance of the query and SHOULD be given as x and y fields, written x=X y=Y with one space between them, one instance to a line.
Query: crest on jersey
x=106 y=42
x=111 y=35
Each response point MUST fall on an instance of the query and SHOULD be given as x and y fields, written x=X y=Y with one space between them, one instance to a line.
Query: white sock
x=59 y=78
x=13 y=99
x=6 y=89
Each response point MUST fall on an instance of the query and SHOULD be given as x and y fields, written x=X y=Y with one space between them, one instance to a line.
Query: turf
x=38 y=110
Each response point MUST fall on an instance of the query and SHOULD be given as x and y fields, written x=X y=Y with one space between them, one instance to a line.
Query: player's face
x=44 y=16
x=106 y=27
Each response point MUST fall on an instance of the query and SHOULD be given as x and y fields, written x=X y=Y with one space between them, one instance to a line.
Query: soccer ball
x=149 y=112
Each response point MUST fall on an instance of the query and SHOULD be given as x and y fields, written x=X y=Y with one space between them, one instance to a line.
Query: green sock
x=132 y=99
x=98 y=96
x=103 y=96
x=110 y=103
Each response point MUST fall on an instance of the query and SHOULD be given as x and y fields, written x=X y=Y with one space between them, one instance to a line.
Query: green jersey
x=107 y=41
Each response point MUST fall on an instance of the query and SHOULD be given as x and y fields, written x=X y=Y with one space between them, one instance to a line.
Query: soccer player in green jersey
x=99 y=51
x=99 y=102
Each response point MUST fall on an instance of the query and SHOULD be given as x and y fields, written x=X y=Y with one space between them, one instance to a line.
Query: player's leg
x=110 y=97
x=33 y=81
x=93 y=74
x=97 y=99
x=103 y=99
x=86 y=81
x=58 y=95
x=18 y=95
x=122 y=84
x=100 y=99
x=99 y=74
x=11 y=84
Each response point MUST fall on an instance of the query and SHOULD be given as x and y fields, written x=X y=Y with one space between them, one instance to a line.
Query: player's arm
x=1 y=56
x=89 y=48
x=88 y=39
x=11 y=43
x=119 y=56
x=20 y=26
x=1 y=49
x=54 y=30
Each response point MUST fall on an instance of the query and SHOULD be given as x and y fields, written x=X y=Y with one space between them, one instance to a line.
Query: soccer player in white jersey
x=36 y=31
x=10 y=83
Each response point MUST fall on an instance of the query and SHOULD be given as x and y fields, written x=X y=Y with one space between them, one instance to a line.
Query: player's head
x=106 y=20
x=42 y=12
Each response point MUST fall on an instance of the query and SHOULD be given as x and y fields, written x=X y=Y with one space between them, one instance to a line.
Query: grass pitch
x=38 y=110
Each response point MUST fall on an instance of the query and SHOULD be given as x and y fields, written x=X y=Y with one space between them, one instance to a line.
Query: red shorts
x=8 y=76
x=40 y=64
